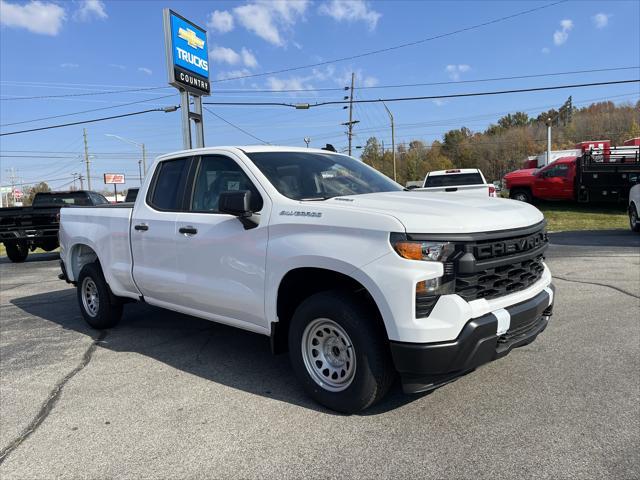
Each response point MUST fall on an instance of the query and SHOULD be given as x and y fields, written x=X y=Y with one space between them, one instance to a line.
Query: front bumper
x=425 y=366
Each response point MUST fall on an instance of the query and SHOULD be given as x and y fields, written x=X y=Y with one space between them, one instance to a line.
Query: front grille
x=499 y=281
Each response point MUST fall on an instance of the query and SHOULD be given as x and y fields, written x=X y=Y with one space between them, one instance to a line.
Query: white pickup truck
x=468 y=181
x=357 y=278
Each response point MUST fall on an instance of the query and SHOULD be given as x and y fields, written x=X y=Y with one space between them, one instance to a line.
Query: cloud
x=248 y=58
x=221 y=21
x=224 y=55
x=90 y=9
x=145 y=70
x=362 y=80
x=370 y=82
x=454 y=71
x=351 y=11
x=118 y=66
x=230 y=56
x=233 y=74
x=69 y=65
x=561 y=36
x=267 y=18
x=438 y=102
x=38 y=17
x=601 y=20
x=545 y=50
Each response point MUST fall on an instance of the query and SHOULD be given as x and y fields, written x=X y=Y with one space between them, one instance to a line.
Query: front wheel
x=94 y=297
x=17 y=251
x=521 y=196
x=634 y=222
x=339 y=352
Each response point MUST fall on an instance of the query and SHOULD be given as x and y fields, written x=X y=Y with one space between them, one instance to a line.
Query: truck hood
x=427 y=212
x=524 y=172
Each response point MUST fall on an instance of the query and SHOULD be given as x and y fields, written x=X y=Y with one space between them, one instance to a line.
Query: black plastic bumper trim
x=425 y=366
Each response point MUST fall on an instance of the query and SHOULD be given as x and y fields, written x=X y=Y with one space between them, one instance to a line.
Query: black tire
x=373 y=368
x=17 y=251
x=634 y=219
x=521 y=195
x=49 y=245
x=106 y=313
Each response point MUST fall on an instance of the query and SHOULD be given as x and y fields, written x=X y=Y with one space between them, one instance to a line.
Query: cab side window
x=217 y=174
x=557 y=171
x=168 y=185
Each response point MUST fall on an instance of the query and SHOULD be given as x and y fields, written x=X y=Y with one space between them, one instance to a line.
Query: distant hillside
x=503 y=146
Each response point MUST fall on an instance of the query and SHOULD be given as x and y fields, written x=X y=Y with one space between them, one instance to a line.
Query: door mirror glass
x=237 y=203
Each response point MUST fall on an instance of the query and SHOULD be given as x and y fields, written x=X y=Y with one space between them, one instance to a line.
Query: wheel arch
x=80 y=255
x=300 y=283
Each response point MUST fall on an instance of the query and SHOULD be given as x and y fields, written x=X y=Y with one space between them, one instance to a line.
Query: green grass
x=562 y=216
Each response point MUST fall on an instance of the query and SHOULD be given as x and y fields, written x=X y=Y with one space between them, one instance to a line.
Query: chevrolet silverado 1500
x=357 y=278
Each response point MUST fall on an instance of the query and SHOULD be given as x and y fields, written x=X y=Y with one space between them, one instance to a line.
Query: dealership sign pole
x=115 y=179
x=188 y=68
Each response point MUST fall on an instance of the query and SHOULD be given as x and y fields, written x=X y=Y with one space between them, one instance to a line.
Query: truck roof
x=454 y=171
x=245 y=149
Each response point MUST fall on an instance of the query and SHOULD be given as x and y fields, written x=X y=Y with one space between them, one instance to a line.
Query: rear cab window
x=168 y=184
x=61 y=199
x=454 y=179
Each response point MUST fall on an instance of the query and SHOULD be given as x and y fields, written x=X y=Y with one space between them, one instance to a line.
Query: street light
x=144 y=153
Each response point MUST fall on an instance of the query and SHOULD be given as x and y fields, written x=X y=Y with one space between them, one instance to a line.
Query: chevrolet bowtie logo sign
x=191 y=38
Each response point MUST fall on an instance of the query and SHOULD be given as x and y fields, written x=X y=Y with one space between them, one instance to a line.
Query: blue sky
x=53 y=48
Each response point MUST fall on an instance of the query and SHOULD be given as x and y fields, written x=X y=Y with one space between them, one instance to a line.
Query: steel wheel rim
x=328 y=354
x=90 y=298
x=521 y=197
x=634 y=219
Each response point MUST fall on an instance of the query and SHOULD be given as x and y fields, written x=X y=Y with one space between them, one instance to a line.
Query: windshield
x=455 y=179
x=318 y=176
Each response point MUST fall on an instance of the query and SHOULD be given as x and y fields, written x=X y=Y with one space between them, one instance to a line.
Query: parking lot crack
x=51 y=400
x=599 y=284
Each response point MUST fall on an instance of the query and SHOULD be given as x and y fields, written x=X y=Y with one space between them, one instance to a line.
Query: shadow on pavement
x=215 y=352
x=597 y=238
x=34 y=257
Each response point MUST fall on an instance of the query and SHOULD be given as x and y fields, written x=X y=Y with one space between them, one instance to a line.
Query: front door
x=153 y=233
x=223 y=263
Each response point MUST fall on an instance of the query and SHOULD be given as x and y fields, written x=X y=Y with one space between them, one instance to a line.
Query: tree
x=518 y=119
x=634 y=130
x=41 y=187
x=371 y=153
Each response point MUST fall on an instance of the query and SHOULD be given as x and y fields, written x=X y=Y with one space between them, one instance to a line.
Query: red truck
x=598 y=175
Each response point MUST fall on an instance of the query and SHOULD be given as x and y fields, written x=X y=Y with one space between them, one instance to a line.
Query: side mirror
x=235 y=203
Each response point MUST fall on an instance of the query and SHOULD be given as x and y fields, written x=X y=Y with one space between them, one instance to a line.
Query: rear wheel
x=98 y=307
x=521 y=196
x=17 y=251
x=339 y=352
x=634 y=222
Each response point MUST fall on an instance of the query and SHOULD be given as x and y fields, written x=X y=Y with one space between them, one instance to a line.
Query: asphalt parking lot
x=164 y=395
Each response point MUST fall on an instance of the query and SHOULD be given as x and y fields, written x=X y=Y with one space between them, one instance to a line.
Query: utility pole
x=81 y=178
x=307 y=140
x=86 y=157
x=351 y=121
x=393 y=139
x=144 y=162
x=548 y=141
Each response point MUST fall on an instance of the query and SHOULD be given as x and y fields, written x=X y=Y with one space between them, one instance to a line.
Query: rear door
x=153 y=233
x=222 y=262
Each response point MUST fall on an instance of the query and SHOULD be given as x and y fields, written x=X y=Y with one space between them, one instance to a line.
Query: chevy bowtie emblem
x=191 y=38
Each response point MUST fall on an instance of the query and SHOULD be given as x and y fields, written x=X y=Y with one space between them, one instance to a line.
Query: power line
x=396 y=47
x=236 y=126
x=108 y=92
x=87 y=111
x=427 y=97
x=166 y=109
x=429 y=84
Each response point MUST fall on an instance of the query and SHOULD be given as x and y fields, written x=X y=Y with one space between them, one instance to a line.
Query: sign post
x=188 y=68
x=115 y=179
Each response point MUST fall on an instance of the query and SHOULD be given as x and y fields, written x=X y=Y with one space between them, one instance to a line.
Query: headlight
x=421 y=250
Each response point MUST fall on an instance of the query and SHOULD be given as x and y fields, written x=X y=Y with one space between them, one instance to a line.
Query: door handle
x=142 y=226
x=189 y=230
